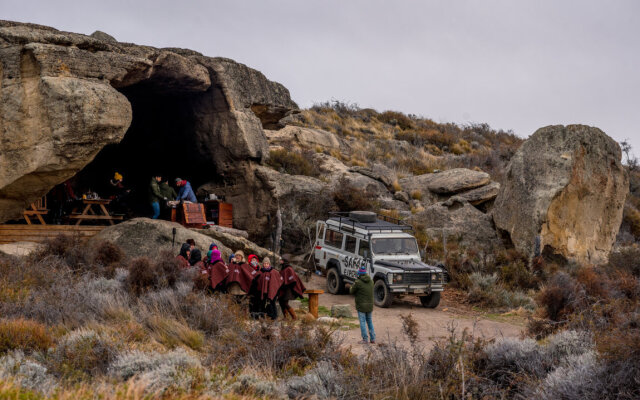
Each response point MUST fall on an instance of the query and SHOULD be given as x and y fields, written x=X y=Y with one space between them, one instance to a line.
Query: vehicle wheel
x=430 y=301
x=382 y=297
x=335 y=284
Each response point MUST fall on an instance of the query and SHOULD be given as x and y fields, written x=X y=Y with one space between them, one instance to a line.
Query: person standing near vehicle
x=363 y=291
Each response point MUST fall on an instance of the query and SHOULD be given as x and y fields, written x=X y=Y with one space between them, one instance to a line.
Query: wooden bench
x=37 y=209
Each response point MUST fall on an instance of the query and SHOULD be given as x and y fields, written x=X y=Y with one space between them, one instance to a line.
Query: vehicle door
x=351 y=261
x=319 y=244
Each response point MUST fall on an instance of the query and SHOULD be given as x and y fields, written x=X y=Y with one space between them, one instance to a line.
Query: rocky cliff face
x=567 y=186
x=65 y=96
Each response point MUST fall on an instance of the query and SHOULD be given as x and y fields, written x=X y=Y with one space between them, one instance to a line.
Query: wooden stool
x=313 y=301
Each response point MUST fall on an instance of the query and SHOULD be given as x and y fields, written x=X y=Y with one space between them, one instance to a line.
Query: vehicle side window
x=333 y=239
x=364 y=246
x=350 y=244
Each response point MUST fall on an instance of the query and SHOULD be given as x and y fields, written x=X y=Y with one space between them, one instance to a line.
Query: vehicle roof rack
x=382 y=224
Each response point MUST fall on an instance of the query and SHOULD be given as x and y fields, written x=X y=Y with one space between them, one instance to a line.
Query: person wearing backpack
x=363 y=291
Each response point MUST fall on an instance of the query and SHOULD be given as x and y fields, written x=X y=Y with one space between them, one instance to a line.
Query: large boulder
x=147 y=237
x=567 y=186
x=307 y=138
x=456 y=219
x=238 y=243
x=65 y=96
x=482 y=194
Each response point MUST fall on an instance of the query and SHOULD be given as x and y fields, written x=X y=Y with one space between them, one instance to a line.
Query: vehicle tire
x=382 y=297
x=363 y=216
x=430 y=301
x=335 y=284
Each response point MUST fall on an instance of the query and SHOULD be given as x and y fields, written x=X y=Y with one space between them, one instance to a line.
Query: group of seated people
x=261 y=282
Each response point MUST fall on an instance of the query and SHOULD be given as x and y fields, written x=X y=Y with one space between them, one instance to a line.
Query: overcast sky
x=516 y=65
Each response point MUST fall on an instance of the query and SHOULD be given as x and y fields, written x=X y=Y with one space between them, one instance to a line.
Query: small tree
x=632 y=160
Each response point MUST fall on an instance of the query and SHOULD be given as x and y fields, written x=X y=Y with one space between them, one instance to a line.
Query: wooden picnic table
x=89 y=214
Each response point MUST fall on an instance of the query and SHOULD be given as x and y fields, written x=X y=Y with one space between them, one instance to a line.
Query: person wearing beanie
x=254 y=261
x=240 y=277
x=363 y=291
x=184 y=256
x=186 y=192
x=219 y=271
x=196 y=258
x=265 y=291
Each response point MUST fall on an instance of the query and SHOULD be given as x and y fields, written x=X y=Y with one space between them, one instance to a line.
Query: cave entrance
x=160 y=141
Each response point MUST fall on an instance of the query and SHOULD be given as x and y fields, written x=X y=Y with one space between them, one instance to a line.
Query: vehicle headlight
x=397 y=278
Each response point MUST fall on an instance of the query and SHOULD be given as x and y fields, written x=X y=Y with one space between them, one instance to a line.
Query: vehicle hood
x=407 y=265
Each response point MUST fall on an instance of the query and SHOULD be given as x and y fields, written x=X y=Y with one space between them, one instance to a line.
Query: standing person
x=155 y=196
x=186 y=192
x=363 y=291
x=254 y=262
x=241 y=275
x=168 y=192
x=219 y=271
x=267 y=285
x=184 y=256
x=292 y=288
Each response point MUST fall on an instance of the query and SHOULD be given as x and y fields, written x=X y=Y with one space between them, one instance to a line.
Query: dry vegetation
x=75 y=326
x=409 y=144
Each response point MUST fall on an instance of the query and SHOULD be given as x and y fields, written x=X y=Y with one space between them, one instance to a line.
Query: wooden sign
x=193 y=214
x=225 y=215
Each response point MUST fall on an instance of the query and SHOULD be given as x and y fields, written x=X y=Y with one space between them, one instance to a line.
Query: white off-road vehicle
x=387 y=248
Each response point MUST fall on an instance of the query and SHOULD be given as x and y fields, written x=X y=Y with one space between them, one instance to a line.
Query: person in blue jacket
x=185 y=192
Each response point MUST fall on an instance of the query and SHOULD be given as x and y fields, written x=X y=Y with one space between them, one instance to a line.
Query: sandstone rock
x=456 y=180
x=328 y=320
x=304 y=137
x=378 y=172
x=482 y=194
x=147 y=237
x=238 y=243
x=456 y=219
x=341 y=311
x=565 y=184
x=61 y=102
x=105 y=37
x=20 y=249
x=401 y=196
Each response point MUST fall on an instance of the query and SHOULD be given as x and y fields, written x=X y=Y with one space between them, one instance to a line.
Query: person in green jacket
x=167 y=192
x=155 y=196
x=363 y=291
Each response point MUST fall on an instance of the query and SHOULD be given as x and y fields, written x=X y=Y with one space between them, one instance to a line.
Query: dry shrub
x=560 y=296
x=69 y=248
x=172 y=333
x=396 y=119
x=594 y=282
x=80 y=352
x=25 y=335
x=627 y=259
x=107 y=253
x=410 y=327
x=291 y=162
x=145 y=274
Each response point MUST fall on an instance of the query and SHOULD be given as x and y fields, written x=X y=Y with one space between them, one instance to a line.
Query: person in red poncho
x=292 y=288
x=184 y=256
x=219 y=271
x=241 y=275
x=265 y=290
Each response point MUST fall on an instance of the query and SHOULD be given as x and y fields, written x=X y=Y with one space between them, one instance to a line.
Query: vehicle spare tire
x=363 y=216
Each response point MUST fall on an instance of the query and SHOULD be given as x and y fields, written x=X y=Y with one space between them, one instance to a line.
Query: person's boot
x=292 y=313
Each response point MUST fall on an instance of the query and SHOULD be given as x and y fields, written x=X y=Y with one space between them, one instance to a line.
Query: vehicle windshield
x=394 y=246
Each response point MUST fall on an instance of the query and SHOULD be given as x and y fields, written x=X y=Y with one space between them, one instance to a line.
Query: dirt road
x=433 y=323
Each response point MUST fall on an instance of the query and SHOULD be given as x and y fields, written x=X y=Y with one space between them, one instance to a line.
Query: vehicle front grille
x=423 y=278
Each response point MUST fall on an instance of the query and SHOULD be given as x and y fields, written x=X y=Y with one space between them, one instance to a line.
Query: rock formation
x=65 y=96
x=567 y=186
